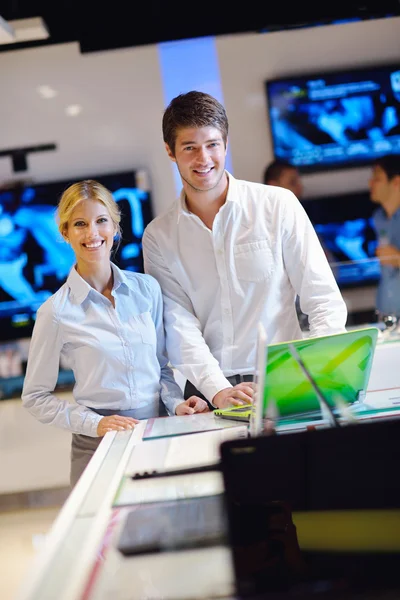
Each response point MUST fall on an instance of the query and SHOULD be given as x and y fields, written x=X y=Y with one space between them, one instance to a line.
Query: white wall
x=247 y=61
x=122 y=98
x=121 y=94
x=120 y=124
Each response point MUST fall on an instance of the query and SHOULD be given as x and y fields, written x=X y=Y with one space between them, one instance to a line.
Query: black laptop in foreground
x=315 y=514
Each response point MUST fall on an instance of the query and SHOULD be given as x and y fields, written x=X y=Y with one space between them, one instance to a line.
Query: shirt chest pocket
x=144 y=324
x=253 y=261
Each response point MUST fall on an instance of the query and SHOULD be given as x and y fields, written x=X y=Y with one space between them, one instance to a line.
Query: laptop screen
x=339 y=364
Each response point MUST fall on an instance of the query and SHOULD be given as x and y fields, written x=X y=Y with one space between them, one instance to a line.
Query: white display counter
x=80 y=560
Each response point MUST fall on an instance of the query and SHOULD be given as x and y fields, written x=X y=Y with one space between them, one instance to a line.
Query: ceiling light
x=46 y=92
x=73 y=110
x=22 y=30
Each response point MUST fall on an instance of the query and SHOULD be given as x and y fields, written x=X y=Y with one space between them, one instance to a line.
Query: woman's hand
x=115 y=423
x=194 y=404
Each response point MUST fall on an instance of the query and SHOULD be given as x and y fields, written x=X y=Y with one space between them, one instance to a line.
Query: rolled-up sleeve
x=41 y=379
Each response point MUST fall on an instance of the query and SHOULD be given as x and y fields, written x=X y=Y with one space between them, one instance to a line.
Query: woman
x=108 y=325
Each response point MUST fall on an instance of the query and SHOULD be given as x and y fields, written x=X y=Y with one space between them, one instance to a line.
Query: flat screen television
x=345 y=228
x=35 y=260
x=335 y=119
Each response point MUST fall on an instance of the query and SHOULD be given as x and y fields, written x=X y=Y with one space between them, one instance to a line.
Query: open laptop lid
x=340 y=365
x=257 y=411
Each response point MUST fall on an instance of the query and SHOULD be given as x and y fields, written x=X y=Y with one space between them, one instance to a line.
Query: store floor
x=22 y=534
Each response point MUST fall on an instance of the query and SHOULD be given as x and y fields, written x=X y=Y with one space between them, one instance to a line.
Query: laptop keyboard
x=241 y=409
x=174 y=525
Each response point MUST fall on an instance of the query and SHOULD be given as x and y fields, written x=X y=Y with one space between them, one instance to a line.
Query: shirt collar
x=232 y=196
x=380 y=212
x=81 y=289
x=396 y=214
x=119 y=277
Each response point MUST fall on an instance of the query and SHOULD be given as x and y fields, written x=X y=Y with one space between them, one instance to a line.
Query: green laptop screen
x=339 y=364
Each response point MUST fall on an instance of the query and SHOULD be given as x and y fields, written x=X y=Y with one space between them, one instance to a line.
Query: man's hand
x=115 y=423
x=240 y=394
x=192 y=405
x=388 y=255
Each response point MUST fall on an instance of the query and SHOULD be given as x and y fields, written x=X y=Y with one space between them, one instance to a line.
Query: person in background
x=283 y=174
x=108 y=324
x=228 y=255
x=385 y=190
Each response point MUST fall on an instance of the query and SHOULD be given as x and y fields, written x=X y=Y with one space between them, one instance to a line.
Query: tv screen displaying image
x=335 y=120
x=345 y=228
x=34 y=258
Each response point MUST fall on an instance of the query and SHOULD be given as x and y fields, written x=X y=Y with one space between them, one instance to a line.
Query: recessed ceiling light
x=22 y=30
x=46 y=92
x=7 y=33
x=73 y=110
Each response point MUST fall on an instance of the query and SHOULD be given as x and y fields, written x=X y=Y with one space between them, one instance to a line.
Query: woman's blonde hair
x=86 y=190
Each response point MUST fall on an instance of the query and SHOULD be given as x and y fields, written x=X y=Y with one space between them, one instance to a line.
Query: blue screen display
x=345 y=228
x=335 y=120
x=35 y=260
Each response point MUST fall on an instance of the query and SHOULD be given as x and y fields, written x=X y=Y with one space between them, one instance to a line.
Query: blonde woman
x=108 y=325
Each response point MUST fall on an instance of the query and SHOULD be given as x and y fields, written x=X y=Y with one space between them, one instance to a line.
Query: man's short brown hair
x=193 y=109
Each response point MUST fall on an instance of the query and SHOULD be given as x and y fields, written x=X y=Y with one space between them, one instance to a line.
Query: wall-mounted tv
x=335 y=119
x=345 y=228
x=35 y=260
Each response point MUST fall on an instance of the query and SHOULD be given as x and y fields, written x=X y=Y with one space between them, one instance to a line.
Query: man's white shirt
x=219 y=284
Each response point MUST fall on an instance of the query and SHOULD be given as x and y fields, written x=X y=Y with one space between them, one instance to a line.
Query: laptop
x=175 y=525
x=315 y=513
x=339 y=365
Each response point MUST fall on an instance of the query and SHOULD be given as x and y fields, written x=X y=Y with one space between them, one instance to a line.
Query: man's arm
x=187 y=349
x=310 y=273
x=388 y=255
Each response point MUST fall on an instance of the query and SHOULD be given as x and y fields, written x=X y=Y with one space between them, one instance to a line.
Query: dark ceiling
x=105 y=25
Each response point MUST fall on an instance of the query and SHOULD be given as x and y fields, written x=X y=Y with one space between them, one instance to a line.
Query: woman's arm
x=41 y=379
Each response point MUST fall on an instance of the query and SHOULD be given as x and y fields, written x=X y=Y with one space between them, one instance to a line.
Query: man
x=385 y=190
x=229 y=254
x=285 y=175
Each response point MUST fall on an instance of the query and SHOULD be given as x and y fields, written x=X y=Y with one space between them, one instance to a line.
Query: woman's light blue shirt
x=117 y=354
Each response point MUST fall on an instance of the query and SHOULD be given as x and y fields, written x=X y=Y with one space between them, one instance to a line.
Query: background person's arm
x=388 y=255
x=310 y=273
